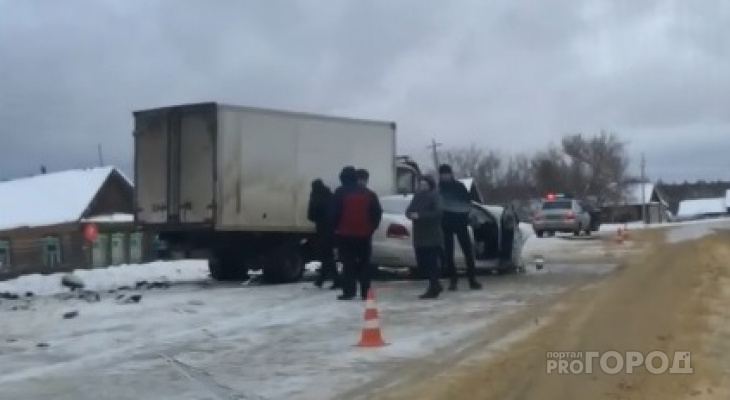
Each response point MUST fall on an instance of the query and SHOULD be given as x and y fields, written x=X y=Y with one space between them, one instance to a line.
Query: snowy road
x=198 y=341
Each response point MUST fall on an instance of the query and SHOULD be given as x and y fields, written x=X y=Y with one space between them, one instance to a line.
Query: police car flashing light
x=553 y=196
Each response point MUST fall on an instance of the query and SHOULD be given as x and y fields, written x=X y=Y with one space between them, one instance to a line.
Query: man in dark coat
x=356 y=215
x=428 y=237
x=318 y=212
x=456 y=204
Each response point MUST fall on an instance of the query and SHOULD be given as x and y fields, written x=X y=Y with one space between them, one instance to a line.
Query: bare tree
x=583 y=166
x=598 y=165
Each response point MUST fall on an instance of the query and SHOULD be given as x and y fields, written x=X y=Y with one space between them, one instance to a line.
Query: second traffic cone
x=371 y=335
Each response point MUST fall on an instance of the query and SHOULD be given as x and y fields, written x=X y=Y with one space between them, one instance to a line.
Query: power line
x=101 y=155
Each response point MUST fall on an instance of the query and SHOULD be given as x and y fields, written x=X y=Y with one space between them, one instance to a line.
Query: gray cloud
x=513 y=75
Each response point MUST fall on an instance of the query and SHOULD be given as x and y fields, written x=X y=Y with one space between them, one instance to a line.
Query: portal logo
x=613 y=362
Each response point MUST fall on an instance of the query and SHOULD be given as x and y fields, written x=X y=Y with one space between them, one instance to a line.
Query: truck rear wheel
x=227 y=267
x=285 y=264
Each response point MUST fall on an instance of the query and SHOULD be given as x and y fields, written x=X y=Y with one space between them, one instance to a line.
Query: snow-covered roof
x=49 y=199
x=689 y=208
x=633 y=193
x=117 y=218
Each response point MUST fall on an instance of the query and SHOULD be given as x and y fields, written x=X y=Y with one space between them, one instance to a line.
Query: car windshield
x=557 y=205
x=395 y=205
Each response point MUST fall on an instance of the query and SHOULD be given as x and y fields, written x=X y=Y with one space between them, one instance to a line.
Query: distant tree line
x=594 y=167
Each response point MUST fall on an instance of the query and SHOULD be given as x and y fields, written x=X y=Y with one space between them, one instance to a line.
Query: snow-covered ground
x=198 y=338
x=202 y=340
x=111 y=278
x=566 y=248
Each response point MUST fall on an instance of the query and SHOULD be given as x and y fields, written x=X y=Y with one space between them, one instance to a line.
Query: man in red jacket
x=357 y=214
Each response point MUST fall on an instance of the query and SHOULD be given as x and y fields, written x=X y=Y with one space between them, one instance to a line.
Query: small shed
x=630 y=209
x=43 y=218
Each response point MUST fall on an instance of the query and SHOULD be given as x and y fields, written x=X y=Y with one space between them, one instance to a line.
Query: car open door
x=474 y=193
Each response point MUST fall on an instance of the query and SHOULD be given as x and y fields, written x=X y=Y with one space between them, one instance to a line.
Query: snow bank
x=112 y=277
x=641 y=225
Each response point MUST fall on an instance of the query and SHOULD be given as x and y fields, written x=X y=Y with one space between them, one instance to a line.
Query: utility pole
x=101 y=156
x=643 y=191
x=434 y=153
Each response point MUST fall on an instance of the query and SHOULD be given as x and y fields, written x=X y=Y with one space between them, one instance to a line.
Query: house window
x=135 y=248
x=118 y=249
x=51 y=251
x=99 y=251
x=4 y=254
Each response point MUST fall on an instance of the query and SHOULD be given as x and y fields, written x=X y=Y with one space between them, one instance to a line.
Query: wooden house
x=43 y=219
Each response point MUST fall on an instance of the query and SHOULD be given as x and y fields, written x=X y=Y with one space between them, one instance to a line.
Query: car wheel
x=539 y=233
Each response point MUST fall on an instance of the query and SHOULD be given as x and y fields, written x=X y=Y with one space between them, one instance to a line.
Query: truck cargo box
x=241 y=168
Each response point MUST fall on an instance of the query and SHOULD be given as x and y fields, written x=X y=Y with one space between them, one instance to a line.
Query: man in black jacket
x=456 y=204
x=356 y=215
x=318 y=212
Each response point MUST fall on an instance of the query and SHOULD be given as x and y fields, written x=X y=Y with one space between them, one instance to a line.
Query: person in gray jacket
x=425 y=212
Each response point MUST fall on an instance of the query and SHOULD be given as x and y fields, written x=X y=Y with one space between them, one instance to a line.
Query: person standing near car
x=428 y=237
x=318 y=212
x=356 y=215
x=456 y=204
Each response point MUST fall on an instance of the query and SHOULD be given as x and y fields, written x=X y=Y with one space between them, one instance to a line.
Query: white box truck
x=232 y=183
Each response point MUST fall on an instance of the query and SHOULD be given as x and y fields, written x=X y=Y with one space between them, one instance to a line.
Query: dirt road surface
x=671 y=297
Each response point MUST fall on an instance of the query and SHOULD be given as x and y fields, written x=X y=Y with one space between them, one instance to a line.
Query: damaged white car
x=393 y=245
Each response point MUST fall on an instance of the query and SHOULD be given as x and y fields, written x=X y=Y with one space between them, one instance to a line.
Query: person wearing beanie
x=428 y=238
x=456 y=204
x=356 y=215
x=363 y=176
x=318 y=212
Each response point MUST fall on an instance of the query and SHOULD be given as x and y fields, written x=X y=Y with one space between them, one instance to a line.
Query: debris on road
x=70 y=314
x=129 y=299
x=90 y=296
x=72 y=282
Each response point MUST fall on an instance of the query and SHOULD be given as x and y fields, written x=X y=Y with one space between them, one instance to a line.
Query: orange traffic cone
x=371 y=336
x=619 y=236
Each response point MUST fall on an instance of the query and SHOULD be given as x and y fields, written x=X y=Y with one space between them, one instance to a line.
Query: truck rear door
x=174 y=165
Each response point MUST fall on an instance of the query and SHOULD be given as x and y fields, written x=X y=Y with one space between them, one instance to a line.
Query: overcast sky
x=512 y=75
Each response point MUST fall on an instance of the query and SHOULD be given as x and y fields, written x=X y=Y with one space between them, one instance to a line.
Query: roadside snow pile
x=641 y=225
x=111 y=278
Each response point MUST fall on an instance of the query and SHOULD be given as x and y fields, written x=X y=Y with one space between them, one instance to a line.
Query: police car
x=562 y=213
